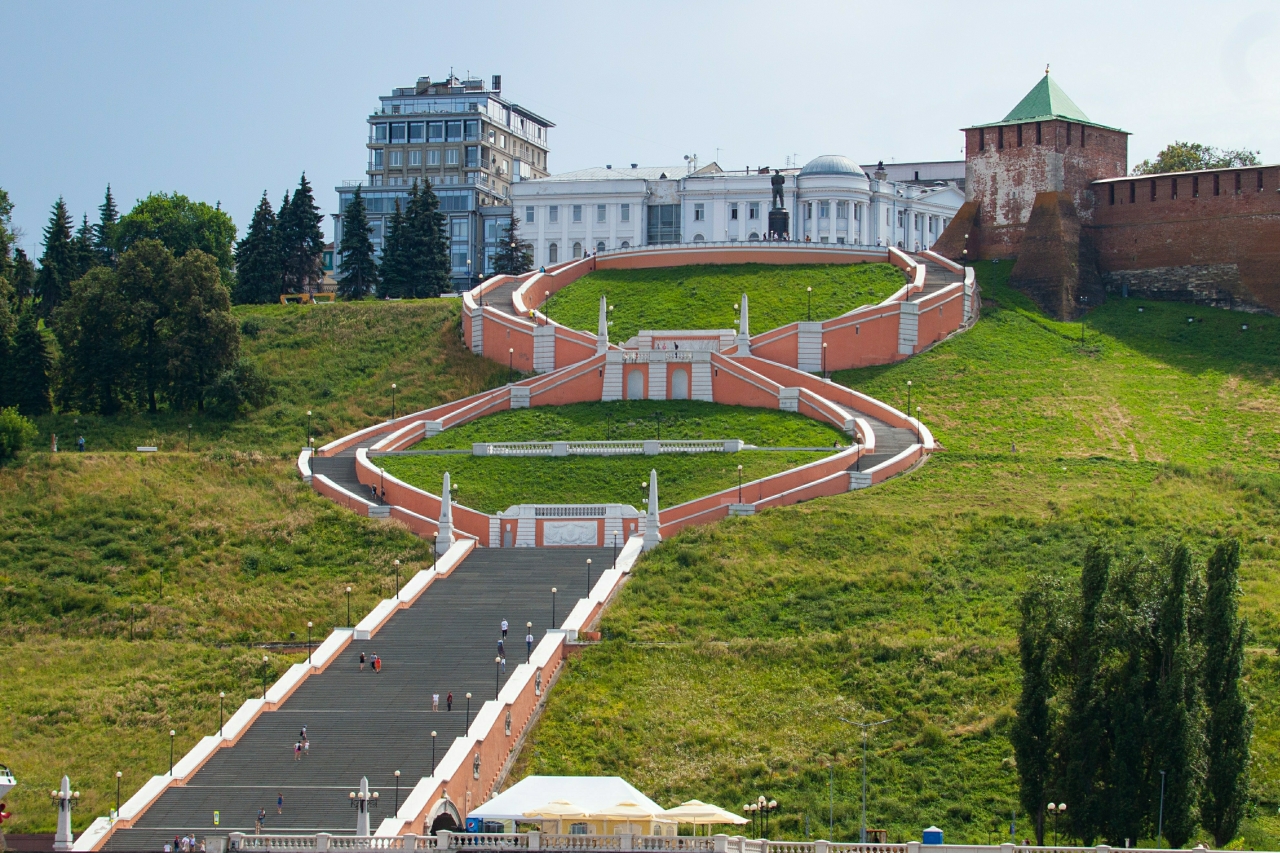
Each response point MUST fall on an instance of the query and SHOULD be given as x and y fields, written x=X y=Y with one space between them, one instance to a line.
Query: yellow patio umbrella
x=558 y=810
x=628 y=811
x=699 y=813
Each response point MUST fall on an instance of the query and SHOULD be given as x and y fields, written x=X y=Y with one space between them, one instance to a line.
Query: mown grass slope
x=734 y=650
x=212 y=556
x=704 y=296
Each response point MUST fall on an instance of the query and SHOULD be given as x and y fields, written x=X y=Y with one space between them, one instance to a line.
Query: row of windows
x=982 y=135
x=395 y=158
x=398 y=133
x=553 y=249
x=1238 y=178
x=576 y=212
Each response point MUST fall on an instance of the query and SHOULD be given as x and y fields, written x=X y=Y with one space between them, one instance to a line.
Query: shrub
x=250 y=327
x=16 y=432
x=241 y=389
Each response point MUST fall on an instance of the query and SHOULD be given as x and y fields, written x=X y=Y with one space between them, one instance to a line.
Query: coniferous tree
x=359 y=269
x=286 y=233
x=1083 y=748
x=514 y=255
x=259 y=273
x=82 y=251
x=32 y=367
x=57 y=264
x=7 y=329
x=7 y=237
x=303 y=242
x=392 y=269
x=434 y=274
x=1032 y=733
x=1175 y=746
x=105 y=231
x=1229 y=726
x=24 y=277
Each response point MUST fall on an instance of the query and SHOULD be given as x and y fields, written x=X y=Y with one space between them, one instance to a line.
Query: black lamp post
x=396 y=563
x=528 y=647
x=348 y=607
x=614 y=564
x=809 y=290
x=865 y=728
x=172 y=735
x=497 y=676
x=511 y=359
x=264 y=677
x=739 y=484
x=393 y=401
x=919 y=431
x=588 y=576
x=824 y=359
x=222 y=696
x=433 y=753
x=553 y=607
x=118 y=775
x=397 y=811
x=308 y=427
x=189 y=437
x=308 y=643
x=908 y=398
x=1054 y=811
x=467 y=726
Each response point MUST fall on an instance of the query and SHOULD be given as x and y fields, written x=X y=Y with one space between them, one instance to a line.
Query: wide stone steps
x=367 y=724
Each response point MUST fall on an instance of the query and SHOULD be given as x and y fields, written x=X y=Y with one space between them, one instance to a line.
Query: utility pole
x=865 y=727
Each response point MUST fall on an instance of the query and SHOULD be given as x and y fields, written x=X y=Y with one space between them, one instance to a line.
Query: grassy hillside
x=734 y=650
x=339 y=361
x=704 y=296
x=214 y=555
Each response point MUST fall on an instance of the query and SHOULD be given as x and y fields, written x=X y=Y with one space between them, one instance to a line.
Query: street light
x=308 y=426
x=497 y=675
x=588 y=576
x=919 y=431
x=308 y=643
x=172 y=735
x=824 y=359
x=467 y=727
x=511 y=358
x=348 y=607
x=1056 y=810
x=189 y=438
x=857 y=446
x=433 y=753
x=396 y=563
x=739 y=484
x=865 y=727
x=264 y=677
x=397 y=811
x=553 y=607
x=393 y=401
x=809 y=290
x=222 y=696
x=118 y=775
x=908 y=398
x=528 y=647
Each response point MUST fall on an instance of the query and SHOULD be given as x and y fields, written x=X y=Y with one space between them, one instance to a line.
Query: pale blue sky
x=223 y=100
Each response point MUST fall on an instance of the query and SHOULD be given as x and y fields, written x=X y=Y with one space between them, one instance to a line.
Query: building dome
x=831 y=164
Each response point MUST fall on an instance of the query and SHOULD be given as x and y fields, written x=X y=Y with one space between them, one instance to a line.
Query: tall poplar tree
x=1032 y=734
x=359 y=269
x=1084 y=742
x=57 y=264
x=259 y=272
x=1229 y=726
x=1175 y=747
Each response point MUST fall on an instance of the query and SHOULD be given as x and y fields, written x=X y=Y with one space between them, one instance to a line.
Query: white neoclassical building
x=830 y=200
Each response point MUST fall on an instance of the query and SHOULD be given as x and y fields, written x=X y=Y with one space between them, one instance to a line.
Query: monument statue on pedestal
x=779 y=220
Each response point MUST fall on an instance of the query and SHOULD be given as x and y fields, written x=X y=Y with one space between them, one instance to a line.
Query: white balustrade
x=604 y=448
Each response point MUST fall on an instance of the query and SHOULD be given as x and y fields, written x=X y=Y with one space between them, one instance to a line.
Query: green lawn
x=704 y=296
x=734 y=649
x=636 y=420
x=338 y=361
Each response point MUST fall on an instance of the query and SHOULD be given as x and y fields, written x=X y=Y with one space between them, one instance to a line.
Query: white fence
x=604 y=448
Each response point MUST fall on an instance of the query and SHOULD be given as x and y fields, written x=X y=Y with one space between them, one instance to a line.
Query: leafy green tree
x=1032 y=734
x=32 y=367
x=1229 y=726
x=24 y=277
x=16 y=432
x=142 y=278
x=393 y=269
x=1175 y=745
x=1192 y=156
x=240 y=389
x=301 y=241
x=95 y=337
x=514 y=255
x=57 y=264
x=259 y=272
x=201 y=338
x=1084 y=739
x=359 y=269
x=104 y=233
x=181 y=225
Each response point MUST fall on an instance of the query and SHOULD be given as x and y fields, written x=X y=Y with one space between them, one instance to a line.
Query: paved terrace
x=367 y=724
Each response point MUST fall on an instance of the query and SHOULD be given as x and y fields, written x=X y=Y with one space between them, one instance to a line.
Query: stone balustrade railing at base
x=604 y=448
x=622 y=843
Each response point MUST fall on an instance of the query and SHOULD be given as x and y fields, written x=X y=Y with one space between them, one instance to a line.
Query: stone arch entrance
x=679 y=384
x=444 y=816
x=635 y=384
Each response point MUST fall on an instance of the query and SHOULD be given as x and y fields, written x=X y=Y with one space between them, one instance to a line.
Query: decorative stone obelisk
x=651 y=535
x=363 y=800
x=444 y=539
x=63 y=840
x=743 y=340
x=602 y=327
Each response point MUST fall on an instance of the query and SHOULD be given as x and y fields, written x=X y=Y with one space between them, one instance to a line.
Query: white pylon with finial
x=744 y=330
x=651 y=535
x=445 y=539
x=602 y=327
x=363 y=800
x=64 y=840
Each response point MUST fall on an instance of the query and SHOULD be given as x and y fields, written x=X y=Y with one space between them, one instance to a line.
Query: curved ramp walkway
x=372 y=724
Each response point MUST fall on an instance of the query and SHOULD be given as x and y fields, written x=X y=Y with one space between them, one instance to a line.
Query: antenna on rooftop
x=1046 y=69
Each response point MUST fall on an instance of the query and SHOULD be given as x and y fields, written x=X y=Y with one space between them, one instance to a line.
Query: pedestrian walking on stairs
x=528 y=644
x=377 y=664
x=501 y=649
x=435 y=701
x=297 y=751
x=504 y=629
x=362 y=659
x=279 y=802
x=448 y=701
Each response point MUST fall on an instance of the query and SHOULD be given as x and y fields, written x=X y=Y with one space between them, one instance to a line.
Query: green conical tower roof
x=1046 y=101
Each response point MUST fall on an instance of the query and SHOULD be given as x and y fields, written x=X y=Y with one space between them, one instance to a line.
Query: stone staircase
x=367 y=724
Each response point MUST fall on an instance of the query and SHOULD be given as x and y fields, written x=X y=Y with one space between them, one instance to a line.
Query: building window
x=664 y=223
x=417 y=132
x=435 y=131
x=380 y=133
x=999 y=137
x=1259 y=180
x=528 y=215
x=398 y=135
x=577 y=250
x=473 y=156
x=1133 y=192
x=753 y=210
x=698 y=238
x=808 y=210
x=1068 y=133
x=1237 y=183
x=599 y=247
x=824 y=210
x=458 y=229
x=453 y=131
x=601 y=212
x=626 y=244
x=415 y=157
x=626 y=213
x=1019 y=136
x=433 y=156
x=377 y=158
x=753 y=236
x=699 y=213
x=1173 y=188
x=553 y=213
x=1195 y=186
x=1153 y=189
x=473 y=130
x=733 y=211
x=1217 y=186
x=577 y=215
x=396 y=158
x=553 y=254
x=1039 y=136
x=451 y=156
x=1082 y=136
x=460 y=259
x=982 y=140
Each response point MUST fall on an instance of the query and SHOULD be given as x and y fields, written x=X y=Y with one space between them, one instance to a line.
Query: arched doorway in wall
x=599 y=247
x=443 y=816
x=635 y=384
x=679 y=384
x=553 y=254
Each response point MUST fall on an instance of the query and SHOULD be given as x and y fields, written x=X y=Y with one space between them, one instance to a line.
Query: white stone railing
x=605 y=448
